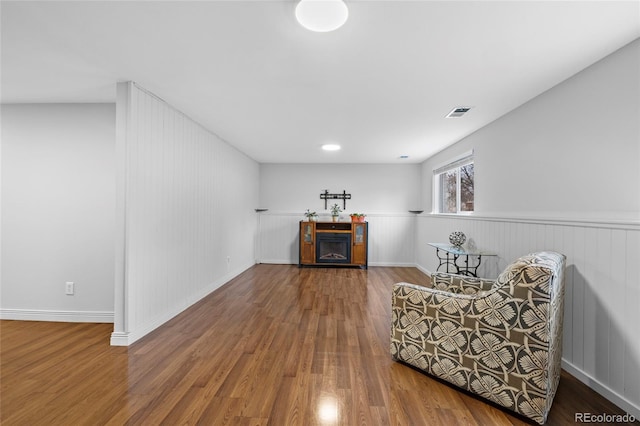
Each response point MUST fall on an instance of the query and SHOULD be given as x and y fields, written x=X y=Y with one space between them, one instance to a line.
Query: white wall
x=58 y=203
x=562 y=173
x=185 y=213
x=374 y=188
x=384 y=192
x=572 y=152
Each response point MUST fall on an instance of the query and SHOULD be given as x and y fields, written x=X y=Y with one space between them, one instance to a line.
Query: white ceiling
x=380 y=86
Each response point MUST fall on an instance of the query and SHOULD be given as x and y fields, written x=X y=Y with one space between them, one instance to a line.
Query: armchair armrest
x=460 y=284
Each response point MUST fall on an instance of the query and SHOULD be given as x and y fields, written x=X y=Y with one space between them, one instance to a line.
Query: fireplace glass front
x=333 y=247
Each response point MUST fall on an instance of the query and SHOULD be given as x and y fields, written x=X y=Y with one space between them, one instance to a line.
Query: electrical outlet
x=69 y=288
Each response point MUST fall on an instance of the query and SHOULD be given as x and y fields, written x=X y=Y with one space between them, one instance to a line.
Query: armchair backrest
x=529 y=297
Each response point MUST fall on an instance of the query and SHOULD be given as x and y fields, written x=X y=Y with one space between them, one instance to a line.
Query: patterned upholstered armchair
x=500 y=339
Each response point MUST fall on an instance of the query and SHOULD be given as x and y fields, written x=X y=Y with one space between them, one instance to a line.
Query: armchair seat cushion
x=500 y=339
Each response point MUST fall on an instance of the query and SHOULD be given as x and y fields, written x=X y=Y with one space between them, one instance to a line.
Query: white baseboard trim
x=423 y=269
x=603 y=390
x=56 y=316
x=119 y=339
x=393 y=264
x=126 y=338
x=277 y=261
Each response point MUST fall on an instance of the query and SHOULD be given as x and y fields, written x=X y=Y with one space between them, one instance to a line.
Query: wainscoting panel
x=391 y=239
x=602 y=302
x=278 y=238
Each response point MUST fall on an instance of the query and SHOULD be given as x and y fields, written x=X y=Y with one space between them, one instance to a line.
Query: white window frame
x=453 y=164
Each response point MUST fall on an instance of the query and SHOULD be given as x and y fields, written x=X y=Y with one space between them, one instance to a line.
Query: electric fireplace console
x=333 y=244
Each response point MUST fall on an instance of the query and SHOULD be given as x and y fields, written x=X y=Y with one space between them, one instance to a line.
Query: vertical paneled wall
x=602 y=309
x=185 y=208
x=278 y=238
x=391 y=240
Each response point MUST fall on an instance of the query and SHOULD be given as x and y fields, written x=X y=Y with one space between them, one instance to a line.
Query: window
x=453 y=186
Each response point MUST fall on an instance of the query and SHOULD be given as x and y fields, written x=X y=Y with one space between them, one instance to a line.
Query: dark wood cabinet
x=333 y=244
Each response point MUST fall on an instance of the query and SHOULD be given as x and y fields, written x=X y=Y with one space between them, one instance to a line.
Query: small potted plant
x=311 y=216
x=357 y=217
x=335 y=212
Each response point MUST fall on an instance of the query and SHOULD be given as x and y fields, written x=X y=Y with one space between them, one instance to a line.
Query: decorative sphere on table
x=457 y=238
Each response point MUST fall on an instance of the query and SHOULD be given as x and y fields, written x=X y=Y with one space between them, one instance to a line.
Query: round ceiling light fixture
x=331 y=147
x=322 y=15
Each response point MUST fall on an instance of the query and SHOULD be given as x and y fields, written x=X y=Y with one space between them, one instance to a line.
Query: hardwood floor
x=277 y=345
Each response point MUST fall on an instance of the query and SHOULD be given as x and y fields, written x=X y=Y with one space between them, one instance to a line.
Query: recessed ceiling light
x=331 y=147
x=322 y=15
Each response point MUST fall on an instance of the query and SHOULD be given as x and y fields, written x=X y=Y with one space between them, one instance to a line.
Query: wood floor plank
x=278 y=345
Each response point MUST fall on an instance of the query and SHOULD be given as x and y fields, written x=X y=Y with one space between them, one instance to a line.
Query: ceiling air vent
x=458 y=112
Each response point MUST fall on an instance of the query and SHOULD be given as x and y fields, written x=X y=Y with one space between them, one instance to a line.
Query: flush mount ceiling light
x=322 y=15
x=331 y=147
